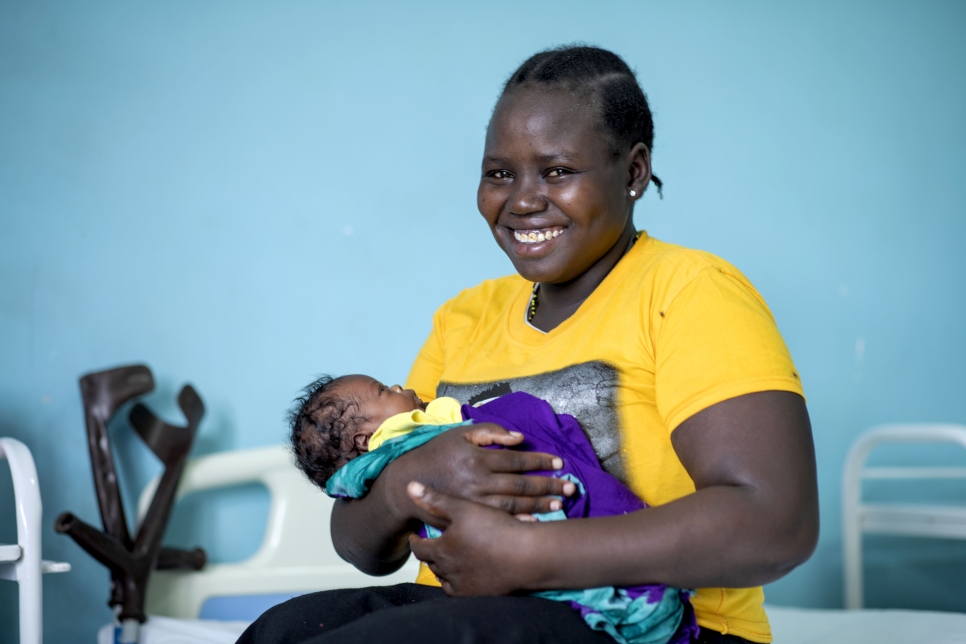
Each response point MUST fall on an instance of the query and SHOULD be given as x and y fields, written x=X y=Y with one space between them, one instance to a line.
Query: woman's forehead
x=545 y=121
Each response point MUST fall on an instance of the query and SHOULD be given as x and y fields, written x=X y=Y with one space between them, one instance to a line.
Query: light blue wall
x=242 y=195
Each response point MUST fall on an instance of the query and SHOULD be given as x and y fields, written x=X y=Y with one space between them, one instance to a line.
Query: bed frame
x=296 y=555
x=918 y=520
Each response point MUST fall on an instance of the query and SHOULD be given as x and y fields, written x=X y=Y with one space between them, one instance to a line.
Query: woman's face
x=554 y=196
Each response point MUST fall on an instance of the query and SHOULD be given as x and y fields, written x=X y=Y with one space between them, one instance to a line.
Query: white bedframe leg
x=852 y=520
x=852 y=561
x=26 y=570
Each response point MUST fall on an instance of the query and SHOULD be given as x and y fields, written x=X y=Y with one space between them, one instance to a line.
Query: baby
x=345 y=431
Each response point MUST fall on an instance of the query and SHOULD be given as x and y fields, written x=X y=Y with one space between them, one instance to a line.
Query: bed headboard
x=296 y=555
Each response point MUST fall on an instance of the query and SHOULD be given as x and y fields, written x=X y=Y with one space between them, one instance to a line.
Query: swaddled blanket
x=647 y=614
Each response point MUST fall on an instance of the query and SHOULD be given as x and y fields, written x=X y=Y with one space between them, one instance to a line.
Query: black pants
x=425 y=615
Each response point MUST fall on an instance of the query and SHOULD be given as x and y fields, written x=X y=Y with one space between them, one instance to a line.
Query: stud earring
x=633 y=194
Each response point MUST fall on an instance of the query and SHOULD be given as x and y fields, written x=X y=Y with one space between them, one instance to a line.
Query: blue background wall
x=236 y=193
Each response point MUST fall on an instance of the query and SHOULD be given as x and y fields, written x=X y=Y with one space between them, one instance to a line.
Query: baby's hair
x=319 y=419
x=604 y=76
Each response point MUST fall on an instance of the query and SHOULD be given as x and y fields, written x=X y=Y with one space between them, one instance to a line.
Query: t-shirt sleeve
x=428 y=368
x=716 y=339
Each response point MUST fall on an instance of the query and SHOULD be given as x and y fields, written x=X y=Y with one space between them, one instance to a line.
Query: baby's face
x=377 y=402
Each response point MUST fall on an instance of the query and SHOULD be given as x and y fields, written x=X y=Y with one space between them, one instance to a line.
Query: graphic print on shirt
x=586 y=391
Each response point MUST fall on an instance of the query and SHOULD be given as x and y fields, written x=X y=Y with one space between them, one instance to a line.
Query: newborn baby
x=345 y=431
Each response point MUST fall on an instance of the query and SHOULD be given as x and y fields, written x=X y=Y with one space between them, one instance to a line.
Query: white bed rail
x=21 y=561
x=296 y=554
x=948 y=522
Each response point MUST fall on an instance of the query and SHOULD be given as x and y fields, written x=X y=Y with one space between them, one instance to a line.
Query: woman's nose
x=397 y=389
x=526 y=198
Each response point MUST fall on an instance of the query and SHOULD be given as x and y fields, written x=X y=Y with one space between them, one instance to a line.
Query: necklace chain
x=534 y=298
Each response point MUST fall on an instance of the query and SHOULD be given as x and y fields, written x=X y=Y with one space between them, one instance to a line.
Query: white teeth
x=535 y=236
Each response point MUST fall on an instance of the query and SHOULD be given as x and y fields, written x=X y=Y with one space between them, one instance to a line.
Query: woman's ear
x=638 y=169
x=361 y=441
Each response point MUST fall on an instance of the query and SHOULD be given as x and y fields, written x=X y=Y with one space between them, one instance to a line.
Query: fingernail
x=555 y=505
x=569 y=488
x=515 y=434
x=416 y=488
x=557 y=463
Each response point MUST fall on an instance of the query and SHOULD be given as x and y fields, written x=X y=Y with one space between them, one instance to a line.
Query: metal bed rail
x=919 y=520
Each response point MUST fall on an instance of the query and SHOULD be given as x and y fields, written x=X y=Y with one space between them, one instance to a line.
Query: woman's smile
x=530 y=237
x=533 y=243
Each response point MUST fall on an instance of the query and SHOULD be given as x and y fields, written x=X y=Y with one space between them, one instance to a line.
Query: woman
x=668 y=358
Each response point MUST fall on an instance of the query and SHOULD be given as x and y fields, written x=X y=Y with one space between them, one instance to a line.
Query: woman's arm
x=371 y=532
x=753 y=517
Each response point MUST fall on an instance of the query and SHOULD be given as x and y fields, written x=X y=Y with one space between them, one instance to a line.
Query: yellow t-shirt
x=442 y=411
x=669 y=332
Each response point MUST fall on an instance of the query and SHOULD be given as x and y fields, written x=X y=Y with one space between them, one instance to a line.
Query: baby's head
x=333 y=420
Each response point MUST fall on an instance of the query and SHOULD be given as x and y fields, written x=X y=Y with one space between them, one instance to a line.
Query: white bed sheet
x=170 y=630
x=815 y=626
x=789 y=626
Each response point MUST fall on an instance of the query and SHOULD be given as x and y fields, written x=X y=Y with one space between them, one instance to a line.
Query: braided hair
x=606 y=78
x=319 y=420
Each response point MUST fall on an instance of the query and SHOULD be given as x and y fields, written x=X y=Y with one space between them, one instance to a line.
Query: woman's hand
x=371 y=532
x=471 y=557
x=455 y=464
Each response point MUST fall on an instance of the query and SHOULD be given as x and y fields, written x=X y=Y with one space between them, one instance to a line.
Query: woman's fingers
x=532 y=486
x=446 y=585
x=508 y=460
x=424 y=550
x=522 y=495
x=493 y=477
x=519 y=494
x=433 y=507
x=517 y=505
x=490 y=434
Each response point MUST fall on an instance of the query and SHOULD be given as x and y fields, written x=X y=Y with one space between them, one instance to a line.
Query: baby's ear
x=361 y=442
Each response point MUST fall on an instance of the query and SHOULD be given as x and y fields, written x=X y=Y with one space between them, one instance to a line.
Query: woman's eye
x=498 y=174
x=558 y=172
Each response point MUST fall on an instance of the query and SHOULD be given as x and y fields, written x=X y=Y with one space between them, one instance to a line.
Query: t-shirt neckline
x=522 y=332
